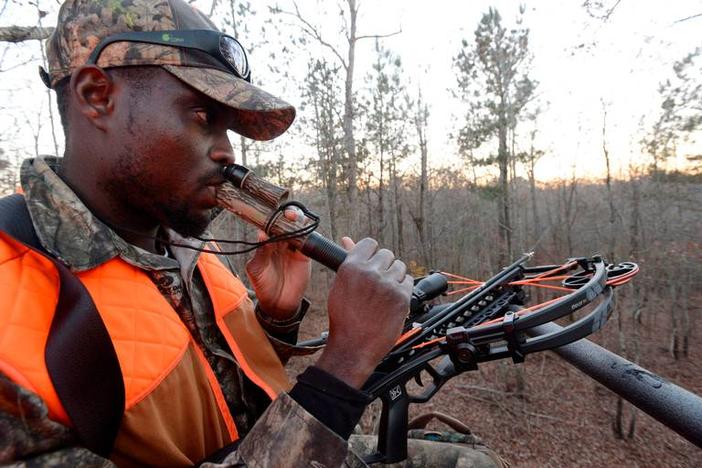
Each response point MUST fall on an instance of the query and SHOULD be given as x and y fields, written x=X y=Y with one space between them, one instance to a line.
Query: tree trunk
x=369 y=206
x=327 y=163
x=674 y=341
x=505 y=229
x=683 y=294
x=536 y=225
x=570 y=212
x=244 y=151
x=398 y=246
x=349 y=141
x=420 y=122
x=22 y=33
x=610 y=196
x=617 y=424
x=381 y=188
x=332 y=192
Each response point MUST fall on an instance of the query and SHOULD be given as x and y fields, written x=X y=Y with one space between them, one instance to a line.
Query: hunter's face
x=174 y=146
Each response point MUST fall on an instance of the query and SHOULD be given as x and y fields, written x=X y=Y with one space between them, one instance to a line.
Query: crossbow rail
x=664 y=401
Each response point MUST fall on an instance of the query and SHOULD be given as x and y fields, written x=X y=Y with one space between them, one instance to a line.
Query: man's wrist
x=282 y=326
x=349 y=369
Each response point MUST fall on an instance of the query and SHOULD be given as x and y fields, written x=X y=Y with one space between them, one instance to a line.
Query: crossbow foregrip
x=392 y=435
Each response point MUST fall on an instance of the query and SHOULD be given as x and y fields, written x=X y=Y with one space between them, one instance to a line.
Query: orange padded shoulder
x=28 y=296
x=147 y=333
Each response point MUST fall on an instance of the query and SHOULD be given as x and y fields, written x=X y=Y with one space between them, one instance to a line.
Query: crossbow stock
x=494 y=319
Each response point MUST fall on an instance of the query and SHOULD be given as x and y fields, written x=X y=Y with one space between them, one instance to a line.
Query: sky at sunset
x=583 y=64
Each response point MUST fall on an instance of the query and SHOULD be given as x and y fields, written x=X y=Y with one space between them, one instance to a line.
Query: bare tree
x=347 y=59
x=387 y=112
x=237 y=18
x=610 y=195
x=320 y=93
x=529 y=159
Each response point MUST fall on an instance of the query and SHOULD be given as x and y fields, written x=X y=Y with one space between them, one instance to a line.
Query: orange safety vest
x=175 y=412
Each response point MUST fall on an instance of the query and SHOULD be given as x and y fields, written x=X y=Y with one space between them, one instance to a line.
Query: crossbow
x=491 y=320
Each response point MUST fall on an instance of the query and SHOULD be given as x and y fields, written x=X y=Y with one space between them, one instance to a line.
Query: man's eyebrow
x=188 y=97
x=192 y=99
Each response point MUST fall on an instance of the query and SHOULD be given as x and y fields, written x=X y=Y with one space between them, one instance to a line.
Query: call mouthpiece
x=236 y=174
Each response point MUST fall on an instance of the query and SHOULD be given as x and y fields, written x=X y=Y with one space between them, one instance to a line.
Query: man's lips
x=210 y=187
x=210 y=195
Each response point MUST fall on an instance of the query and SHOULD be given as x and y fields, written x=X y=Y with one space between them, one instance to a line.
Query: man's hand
x=279 y=275
x=368 y=303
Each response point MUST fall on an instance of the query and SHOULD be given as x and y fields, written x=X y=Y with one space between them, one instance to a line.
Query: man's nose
x=222 y=152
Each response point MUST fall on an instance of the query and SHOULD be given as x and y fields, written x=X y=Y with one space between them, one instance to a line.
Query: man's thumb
x=347 y=243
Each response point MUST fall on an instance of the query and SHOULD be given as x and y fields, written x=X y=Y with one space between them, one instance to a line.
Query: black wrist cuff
x=334 y=403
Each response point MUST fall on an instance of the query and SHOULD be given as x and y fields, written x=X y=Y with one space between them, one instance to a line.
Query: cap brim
x=259 y=115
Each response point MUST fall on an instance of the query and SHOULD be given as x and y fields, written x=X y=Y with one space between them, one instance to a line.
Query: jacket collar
x=69 y=231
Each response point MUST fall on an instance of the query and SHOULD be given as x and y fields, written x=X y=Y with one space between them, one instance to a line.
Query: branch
x=23 y=33
x=688 y=18
x=212 y=8
x=4 y=6
x=604 y=17
x=310 y=30
x=485 y=389
x=378 y=36
x=17 y=65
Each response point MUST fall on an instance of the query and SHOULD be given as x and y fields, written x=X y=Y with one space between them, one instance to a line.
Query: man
x=147 y=90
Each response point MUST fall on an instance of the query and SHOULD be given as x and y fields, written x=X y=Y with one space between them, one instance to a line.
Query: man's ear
x=93 y=93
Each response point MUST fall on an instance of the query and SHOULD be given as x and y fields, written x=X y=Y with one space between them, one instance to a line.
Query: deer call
x=258 y=202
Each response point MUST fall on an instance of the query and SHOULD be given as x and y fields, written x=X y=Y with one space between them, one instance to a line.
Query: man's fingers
x=364 y=249
x=261 y=256
x=347 y=243
x=293 y=213
x=397 y=270
x=383 y=258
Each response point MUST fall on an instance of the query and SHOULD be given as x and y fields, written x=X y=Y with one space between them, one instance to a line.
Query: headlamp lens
x=234 y=53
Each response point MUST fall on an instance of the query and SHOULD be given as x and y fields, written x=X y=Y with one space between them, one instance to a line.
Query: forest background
x=461 y=134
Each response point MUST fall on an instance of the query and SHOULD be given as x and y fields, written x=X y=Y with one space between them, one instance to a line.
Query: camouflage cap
x=82 y=24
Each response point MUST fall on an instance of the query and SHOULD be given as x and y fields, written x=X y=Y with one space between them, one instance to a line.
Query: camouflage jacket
x=68 y=230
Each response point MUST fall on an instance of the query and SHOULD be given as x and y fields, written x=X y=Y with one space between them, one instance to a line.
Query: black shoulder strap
x=15 y=221
x=79 y=354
